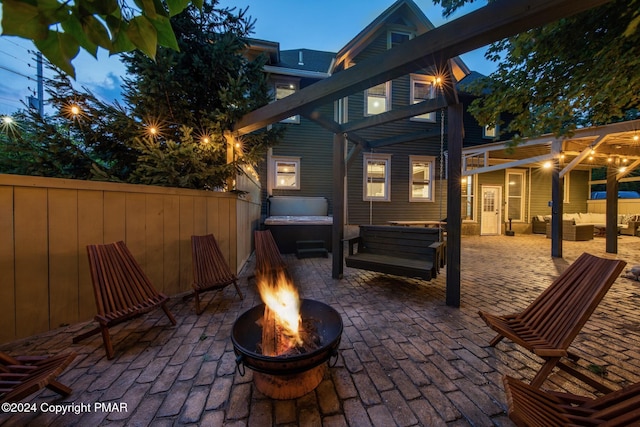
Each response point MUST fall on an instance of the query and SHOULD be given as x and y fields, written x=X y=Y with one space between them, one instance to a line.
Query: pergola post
x=612 y=210
x=231 y=144
x=454 y=202
x=557 y=196
x=337 y=231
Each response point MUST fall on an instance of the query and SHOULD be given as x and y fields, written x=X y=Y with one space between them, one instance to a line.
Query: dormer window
x=395 y=37
x=282 y=89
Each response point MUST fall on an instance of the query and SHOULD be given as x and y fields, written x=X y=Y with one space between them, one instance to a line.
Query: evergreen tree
x=189 y=98
x=206 y=86
x=76 y=140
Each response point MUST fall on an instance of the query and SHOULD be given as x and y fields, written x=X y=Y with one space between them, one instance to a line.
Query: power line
x=14 y=43
x=16 y=72
x=15 y=57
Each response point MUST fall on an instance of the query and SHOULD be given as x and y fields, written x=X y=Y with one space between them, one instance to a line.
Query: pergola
x=433 y=49
x=616 y=146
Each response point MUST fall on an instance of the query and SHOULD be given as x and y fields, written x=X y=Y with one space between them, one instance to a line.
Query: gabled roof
x=403 y=14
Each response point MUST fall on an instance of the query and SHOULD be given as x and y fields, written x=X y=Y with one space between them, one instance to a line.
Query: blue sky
x=322 y=25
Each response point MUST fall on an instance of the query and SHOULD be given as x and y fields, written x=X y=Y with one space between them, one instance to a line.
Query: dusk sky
x=326 y=25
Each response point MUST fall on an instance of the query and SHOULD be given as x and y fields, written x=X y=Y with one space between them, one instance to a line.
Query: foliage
x=207 y=86
x=59 y=29
x=192 y=97
x=64 y=144
x=575 y=72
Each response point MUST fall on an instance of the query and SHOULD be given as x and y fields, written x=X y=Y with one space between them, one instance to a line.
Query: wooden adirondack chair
x=550 y=324
x=268 y=258
x=121 y=289
x=210 y=270
x=532 y=407
x=21 y=376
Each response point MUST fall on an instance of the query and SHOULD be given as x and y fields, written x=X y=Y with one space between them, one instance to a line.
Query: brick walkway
x=405 y=357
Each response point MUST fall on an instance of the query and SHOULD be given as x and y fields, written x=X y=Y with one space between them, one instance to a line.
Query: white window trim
x=296 y=87
x=474 y=190
x=523 y=174
x=485 y=132
x=387 y=179
x=421 y=78
x=387 y=100
x=411 y=35
x=423 y=159
x=273 y=173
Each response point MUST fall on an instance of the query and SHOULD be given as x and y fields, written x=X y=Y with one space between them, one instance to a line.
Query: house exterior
x=401 y=176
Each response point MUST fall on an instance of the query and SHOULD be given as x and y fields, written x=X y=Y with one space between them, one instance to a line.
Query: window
x=376 y=177
x=378 y=99
x=490 y=132
x=468 y=198
x=285 y=172
x=421 y=178
x=282 y=89
x=515 y=195
x=395 y=38
x=423 y=88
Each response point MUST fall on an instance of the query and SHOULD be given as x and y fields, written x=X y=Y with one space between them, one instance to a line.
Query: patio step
x=311 y=249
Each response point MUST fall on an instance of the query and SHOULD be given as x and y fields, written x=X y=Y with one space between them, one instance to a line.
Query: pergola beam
x=396 y=114
x=407 y=137
x=497 y=20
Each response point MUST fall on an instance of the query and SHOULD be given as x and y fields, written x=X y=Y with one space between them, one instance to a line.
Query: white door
x=491 y=211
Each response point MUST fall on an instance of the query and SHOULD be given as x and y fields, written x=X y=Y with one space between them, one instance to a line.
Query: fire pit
x=287 y=376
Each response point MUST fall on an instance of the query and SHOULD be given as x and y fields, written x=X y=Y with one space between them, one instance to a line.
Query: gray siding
x=313 y=144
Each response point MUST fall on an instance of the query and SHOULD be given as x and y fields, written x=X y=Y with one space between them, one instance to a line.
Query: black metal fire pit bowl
x=247 y=334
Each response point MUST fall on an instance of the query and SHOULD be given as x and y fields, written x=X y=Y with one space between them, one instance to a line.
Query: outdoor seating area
x=405 y=358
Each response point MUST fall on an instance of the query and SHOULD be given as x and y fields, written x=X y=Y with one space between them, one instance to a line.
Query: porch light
x=609 y=159
x=593 y=151
x=591 y=158
x=546 y=165
x=622 y=169
x=624 y=160
x=438 y=81
x=636 y=137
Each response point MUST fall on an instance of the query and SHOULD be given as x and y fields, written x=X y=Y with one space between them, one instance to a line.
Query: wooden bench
x=401 y=251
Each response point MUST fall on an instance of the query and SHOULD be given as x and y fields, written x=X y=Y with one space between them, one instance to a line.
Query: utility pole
x=40 y=84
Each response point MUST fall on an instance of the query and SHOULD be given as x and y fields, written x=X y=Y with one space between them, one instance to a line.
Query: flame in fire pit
x=281 y=297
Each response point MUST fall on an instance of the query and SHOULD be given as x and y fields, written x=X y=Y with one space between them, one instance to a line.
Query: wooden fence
x=46 y=223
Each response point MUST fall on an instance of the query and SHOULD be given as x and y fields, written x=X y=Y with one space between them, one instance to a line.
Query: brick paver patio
x=405 y=358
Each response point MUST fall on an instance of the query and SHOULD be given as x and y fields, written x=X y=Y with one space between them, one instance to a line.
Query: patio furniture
x=210 y=270
x=548 y=326
x=573 y=232
x=121 y=289
x=269 y=262
x=401 y=251
x=21 y=376
x=538 y=225
x=529 y=406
